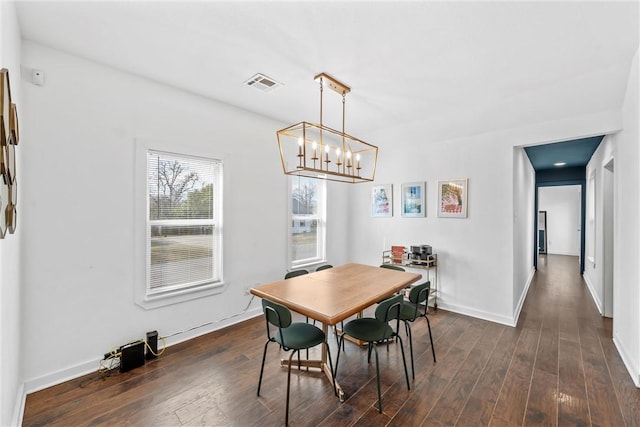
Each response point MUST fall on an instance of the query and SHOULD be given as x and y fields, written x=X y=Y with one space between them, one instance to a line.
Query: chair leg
x=369 y=348
x=378 y=380
x=286 y=416
x=433 y=350
x=264 y=355
x=404 y=362
x=408 y=327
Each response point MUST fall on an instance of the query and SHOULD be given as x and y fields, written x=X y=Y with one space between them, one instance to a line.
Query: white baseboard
x=63 y=375
x=246 y=315
x=564 y=253
x=523 y=296
x=18 y=410
x=628 y=361
x=594 y=295
x=492 y=317
x=479 y=314
x=58 y=377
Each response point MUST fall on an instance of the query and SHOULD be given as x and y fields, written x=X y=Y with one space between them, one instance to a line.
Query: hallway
x=578 y=377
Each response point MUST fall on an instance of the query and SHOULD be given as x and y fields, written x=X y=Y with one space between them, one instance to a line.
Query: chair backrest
x=295 y=273
x=419 y=292
x=392 y=267
x=276 y=314
x=389 y=309
x=324 y=267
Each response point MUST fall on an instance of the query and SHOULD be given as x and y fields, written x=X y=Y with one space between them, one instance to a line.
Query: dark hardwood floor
x=557 y=367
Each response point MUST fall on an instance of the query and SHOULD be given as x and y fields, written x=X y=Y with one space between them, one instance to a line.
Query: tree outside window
x=183 y=226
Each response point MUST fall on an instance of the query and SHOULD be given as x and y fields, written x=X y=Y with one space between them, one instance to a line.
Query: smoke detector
x=262 y=82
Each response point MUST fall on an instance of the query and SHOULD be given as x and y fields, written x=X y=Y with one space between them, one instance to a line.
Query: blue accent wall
x=561 y=176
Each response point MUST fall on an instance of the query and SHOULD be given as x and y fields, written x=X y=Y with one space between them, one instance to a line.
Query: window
x=307 y=234
x=184 y=232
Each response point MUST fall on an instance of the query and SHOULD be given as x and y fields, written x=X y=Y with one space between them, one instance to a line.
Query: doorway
x=562 y=207
x=542 y=232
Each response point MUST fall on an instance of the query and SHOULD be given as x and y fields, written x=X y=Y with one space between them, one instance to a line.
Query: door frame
x=608 y=226
x=541 y=182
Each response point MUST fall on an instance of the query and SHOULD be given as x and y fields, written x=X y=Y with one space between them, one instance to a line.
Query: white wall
x=626 y=267
x=563 y=206
x=524 y=179
x=477 y=256
x=79 y=226
x=593 y=274
x=10 y=247
x=473 y=266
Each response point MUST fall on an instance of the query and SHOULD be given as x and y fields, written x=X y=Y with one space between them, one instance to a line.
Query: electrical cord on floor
x=159 y=353
x=111 y=361
x=212 y=322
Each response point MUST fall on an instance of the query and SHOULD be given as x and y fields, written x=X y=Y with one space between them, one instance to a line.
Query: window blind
x=183 y=224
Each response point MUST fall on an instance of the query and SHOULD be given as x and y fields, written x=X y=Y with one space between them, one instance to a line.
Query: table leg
x=320 y=364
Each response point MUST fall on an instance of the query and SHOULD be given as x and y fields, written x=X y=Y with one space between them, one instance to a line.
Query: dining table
x=332 y=295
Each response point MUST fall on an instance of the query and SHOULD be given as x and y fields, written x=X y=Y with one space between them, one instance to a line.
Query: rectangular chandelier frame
x=326 y=153
x=318 y=151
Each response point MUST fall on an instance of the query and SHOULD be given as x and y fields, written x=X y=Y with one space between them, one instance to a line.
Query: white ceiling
x=456 y=68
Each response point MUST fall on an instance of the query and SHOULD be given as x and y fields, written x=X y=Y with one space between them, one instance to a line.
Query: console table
x=405 y=261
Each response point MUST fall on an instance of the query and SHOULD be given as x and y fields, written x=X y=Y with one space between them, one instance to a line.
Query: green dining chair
x=375 y=330
x=324 y=267
x=411 y=311
x=291 y=336
x=392 y=267
x=295 y=273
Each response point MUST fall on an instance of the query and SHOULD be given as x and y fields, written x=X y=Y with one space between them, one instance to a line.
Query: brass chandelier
x=317 y=151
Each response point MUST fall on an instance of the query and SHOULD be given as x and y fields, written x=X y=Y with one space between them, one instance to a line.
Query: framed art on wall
x=9 y=135
x=452 y=198
x=413 y=200
x=382 y=200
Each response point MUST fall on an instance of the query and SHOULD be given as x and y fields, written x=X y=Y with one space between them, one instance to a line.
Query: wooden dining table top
x=334 y=294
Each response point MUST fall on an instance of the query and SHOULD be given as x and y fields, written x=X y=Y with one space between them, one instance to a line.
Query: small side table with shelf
x=405 y=261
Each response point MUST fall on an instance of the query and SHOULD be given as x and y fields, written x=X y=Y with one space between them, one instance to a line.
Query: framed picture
x=412 y=201
x=382 y=200
x=452 y=198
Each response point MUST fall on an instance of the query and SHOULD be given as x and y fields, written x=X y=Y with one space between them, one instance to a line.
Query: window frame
x=175 y=294
x=320 y=217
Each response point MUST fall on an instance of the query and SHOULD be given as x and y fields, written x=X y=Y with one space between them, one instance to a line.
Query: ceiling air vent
x=262 y=82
